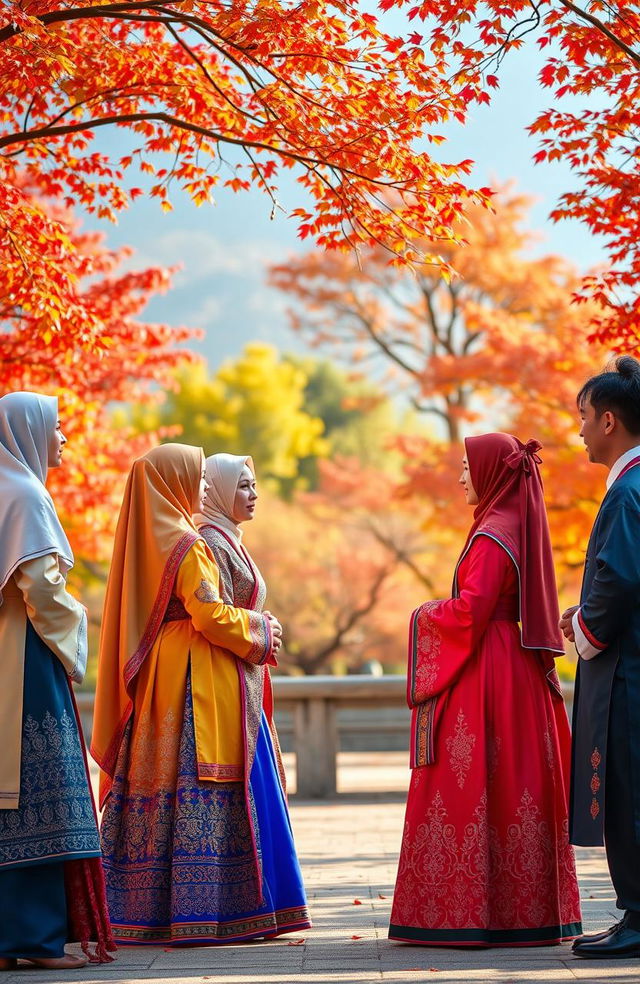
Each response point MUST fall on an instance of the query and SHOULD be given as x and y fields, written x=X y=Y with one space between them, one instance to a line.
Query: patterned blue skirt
x=202 y=874
x=54 y=821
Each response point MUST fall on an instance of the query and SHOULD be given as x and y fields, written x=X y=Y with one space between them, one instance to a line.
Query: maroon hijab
x=506 y=479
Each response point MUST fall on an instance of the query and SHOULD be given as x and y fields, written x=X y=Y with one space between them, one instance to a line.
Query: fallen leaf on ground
x=356 y=937
x=357 y=902
x=296 y=942
x=381 y=896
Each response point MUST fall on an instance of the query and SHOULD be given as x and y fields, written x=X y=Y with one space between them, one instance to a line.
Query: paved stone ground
x=348 y=849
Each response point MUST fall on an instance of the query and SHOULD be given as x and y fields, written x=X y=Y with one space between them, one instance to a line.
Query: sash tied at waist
x=506 y=610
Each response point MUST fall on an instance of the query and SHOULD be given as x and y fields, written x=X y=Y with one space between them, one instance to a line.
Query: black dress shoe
x=594 y=937
x=622 y=942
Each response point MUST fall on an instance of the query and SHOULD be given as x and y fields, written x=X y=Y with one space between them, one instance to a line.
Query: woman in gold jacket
x=180 y=859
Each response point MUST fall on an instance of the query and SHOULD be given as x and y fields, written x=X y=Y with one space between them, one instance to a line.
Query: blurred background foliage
x=358 y=447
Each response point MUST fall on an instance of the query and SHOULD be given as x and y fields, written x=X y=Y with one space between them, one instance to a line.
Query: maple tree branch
x=82 y=13
x=384 y=347
x=427 y=408
x=344 y=627
x=400 y=555
x=431 y=319
x=205 y=71
x=208 y=33
x=597 y=23
x=56 y=131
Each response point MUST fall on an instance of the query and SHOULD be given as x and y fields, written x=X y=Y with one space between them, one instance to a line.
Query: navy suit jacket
x=609 y=621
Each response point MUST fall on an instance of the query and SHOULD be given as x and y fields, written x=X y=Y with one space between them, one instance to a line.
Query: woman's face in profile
x=203 y=488
x=466 y=483
x=244 y=503
x=57 y=443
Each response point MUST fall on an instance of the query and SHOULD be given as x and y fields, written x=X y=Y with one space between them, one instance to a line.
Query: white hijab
x=223 y=474
x=29 y=524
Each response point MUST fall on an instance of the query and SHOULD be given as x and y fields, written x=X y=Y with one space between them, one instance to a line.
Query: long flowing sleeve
x=59 y=620
x=615 y=587
x=444 y=634
x=245 y=633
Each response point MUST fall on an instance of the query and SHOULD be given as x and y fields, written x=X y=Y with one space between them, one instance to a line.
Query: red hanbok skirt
x=485 y=858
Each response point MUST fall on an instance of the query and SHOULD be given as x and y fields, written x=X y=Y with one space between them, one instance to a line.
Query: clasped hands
x=566 y=623
x=276 y=632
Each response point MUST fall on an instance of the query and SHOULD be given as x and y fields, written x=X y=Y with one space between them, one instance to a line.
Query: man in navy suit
x=605 y=627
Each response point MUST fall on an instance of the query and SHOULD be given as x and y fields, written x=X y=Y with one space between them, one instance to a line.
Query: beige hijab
x=29 y=524
x=223 y=475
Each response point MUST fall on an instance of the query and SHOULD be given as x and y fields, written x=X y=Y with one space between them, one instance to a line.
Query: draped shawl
x=506 y=478
x=29 y=524
x=154 y=532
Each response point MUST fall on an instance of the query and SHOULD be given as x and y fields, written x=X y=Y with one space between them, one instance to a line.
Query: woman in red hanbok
x=485 y=857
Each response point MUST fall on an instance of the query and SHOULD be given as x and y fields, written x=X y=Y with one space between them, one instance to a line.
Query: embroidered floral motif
x=473 y=875
x=55 y=818
x=180 y=852
x=425 y=653
x=153 y=754
x=460 y=747
x=594 y=785
x=206 y=593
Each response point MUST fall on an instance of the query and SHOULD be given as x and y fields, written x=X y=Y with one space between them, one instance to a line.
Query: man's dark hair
x=618 y=390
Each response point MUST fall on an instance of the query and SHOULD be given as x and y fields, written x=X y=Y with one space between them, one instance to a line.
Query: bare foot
x=66 y=962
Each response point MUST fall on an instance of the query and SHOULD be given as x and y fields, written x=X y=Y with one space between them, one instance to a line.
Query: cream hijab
x=223 y=475
x=29 y=524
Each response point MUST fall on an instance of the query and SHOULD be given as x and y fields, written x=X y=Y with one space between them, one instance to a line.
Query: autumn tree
x=360 y=420
x=342 y=567
x=590 y=63
x=500 y=346
x=214 y=95
x=251 y=405
x=97 y=352
x=229 y=95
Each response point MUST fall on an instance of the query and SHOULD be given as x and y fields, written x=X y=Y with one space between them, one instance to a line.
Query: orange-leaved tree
x=343 y=569
x=227 y=94
x=500 y=347
x=590 y=63
x=97 y=352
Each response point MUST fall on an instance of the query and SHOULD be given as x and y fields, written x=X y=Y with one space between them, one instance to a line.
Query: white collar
x=621 y=463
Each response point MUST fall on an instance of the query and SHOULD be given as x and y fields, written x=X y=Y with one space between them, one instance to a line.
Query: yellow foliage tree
x=254 y=405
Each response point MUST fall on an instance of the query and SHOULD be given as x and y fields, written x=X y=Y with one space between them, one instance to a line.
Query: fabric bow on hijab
x=29 y=524
x=223 y=474
x=506 y=479
x=154 y=532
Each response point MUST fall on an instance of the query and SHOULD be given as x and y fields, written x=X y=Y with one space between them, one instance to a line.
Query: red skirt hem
x=544 y=936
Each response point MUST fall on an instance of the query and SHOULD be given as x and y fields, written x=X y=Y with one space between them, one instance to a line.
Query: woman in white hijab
x=230 y=501
x=51 y=884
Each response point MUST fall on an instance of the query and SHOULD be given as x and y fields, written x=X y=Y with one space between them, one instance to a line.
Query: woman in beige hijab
x=230 y=501
x=51 y=881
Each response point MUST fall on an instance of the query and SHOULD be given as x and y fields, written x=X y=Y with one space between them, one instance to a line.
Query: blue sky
x=224 y=249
